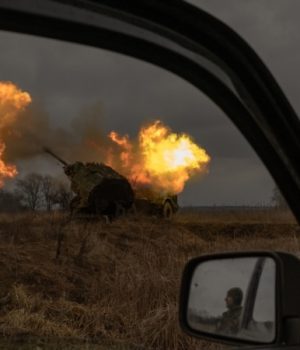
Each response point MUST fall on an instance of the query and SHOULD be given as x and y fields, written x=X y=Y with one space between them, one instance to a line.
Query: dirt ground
x=93 y=285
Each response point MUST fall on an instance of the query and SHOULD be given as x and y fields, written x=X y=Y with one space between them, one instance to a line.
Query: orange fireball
x=125 y=145
x=6 y=171
x=12 y=102
x=160 y=158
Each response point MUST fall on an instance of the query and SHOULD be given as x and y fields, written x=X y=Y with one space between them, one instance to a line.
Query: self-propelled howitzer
x=98 y=189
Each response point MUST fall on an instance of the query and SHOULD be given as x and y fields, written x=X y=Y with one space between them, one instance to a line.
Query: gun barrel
x=47 y=150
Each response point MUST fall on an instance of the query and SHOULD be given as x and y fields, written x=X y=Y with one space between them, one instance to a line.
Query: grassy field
x=114 y=286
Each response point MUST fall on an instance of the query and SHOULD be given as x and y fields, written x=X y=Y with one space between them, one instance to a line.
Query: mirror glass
x=234 y=298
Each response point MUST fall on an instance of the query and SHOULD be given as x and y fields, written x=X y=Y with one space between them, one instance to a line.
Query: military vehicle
x=100 y=190
x=149 y=201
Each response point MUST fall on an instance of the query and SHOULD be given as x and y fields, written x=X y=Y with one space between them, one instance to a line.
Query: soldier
x=229 y=322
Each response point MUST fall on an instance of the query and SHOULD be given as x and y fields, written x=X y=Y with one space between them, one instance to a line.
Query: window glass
x=114 y=276
x=271 y=31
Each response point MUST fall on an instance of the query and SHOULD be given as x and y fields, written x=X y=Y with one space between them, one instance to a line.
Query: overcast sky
x=70 y=81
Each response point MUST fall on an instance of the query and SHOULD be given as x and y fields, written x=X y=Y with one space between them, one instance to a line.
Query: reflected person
x=229 y=322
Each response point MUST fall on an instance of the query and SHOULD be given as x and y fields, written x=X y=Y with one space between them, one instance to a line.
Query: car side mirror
x=242 y=298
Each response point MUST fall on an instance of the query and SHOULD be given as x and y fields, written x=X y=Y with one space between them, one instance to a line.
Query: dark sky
x=71 y=82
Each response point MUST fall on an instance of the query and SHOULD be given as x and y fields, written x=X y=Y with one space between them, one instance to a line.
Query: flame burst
x=12 y=102
x=160 y=158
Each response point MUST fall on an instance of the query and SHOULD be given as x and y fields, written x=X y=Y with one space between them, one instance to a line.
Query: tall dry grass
x=265 y=215
x=113 y=285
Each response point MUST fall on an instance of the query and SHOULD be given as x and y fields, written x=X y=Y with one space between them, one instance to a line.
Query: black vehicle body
x=192 y=44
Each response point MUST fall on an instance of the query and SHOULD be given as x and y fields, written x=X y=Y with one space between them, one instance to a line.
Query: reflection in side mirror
x=234 y=298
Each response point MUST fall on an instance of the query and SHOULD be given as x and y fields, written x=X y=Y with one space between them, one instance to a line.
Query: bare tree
x=64 y=196
x=29 y=190
x=49 y=191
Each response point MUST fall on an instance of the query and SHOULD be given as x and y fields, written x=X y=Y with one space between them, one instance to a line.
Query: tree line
x=36 y=192
x=45 y=192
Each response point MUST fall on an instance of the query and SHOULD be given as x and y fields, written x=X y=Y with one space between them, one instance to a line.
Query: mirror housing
x=204 y=295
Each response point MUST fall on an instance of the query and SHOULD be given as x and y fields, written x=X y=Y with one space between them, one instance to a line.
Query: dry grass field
x=91 y=285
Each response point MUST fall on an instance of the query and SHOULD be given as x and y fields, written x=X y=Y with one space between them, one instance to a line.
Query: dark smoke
x=84 y=140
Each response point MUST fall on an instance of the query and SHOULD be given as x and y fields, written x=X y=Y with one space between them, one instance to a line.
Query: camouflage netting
x=98 y=188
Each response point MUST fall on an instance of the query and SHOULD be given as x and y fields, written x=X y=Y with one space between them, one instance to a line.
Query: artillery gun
x=151 y=202
x=99 y=190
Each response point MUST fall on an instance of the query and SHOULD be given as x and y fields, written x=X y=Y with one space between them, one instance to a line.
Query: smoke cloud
x=33 y=131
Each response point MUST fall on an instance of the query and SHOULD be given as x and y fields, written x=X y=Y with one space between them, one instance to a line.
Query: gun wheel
x=168 y=211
